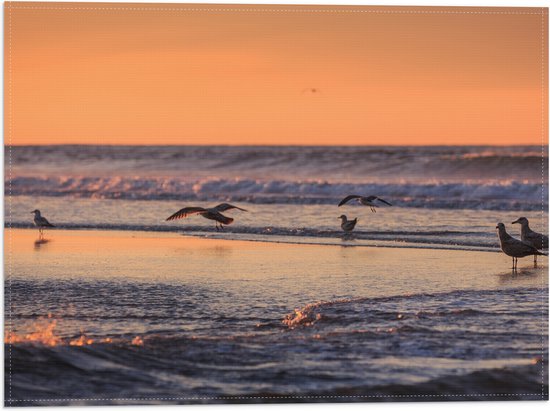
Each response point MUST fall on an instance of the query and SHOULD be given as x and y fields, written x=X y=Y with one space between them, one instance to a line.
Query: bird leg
x=347 y=236
x=217 y=228
x=372 y=209
x=221 y=226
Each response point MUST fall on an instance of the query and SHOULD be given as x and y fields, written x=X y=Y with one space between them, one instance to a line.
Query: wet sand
x=150 y=256
x=151 y=314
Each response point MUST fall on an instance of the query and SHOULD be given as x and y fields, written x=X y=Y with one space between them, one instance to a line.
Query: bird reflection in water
x=40 y=242
x=519 y=275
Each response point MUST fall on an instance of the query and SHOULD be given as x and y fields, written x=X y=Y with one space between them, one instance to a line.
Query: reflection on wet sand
x=121 y=311
x=522 y=274
x=348 y=237
x=40 y=242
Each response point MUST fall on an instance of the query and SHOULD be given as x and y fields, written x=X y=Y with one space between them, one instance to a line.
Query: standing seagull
x=347 y=225
x=514 y=247
x=537 y=240
x=366 y=201
x=214 y=213
x=40 y=221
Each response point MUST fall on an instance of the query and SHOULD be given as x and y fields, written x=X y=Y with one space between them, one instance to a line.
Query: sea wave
x=507 y=195
x=400 y=308
x=377 y=348
x=360 y=162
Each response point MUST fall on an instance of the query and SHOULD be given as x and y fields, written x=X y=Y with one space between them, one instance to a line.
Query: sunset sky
x=187 y=74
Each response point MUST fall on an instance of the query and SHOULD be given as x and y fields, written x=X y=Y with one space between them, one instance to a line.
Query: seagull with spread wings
x=214 y=213
x=366 y=201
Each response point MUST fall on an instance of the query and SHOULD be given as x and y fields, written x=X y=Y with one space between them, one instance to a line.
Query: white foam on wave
x=491 y=195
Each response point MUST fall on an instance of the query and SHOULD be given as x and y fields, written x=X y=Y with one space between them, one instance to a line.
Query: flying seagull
x=537 y=240
x=366 y=201
x=513 y=247
x=40 y=221
x=347 y=225
x=311 y=90
x=214 y=213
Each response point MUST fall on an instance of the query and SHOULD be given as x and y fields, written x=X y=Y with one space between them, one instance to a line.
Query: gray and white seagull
x=537 y=240
x=214 y=213
x=366 y=201
x=347 y=225
x=40 y=222
x=513 y=247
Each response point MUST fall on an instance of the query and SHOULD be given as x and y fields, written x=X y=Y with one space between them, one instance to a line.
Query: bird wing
x=45 y=222
x=223 y=218
x=186 y=211
x=544 y=239
x=347 y=199
x=226 y=206
x=352 y=223
x=532 y=250
x=372 y=198
x=537 y=240
x=519 y=246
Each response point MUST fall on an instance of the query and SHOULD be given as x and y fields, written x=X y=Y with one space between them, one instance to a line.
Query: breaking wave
x=507 y=195
x=377 y=348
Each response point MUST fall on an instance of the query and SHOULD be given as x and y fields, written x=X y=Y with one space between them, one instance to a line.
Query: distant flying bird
x=311 y=90
x=537 y=240
x=347 y=225
x=40 y=221
x=366 y=201
x=513 y=247
x=214 y=213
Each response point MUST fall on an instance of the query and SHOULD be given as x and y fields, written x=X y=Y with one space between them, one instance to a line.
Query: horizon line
x=545 y=144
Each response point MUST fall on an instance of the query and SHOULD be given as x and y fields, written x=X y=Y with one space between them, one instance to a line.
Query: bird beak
x=514 y=222
x=496 y=226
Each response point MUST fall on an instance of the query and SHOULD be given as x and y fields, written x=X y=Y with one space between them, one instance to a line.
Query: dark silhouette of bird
x=513 y=247
x=41 y=222
x=311 y=90
x=366 y=201
x=347 y=225
x=537 y=240
x=214 y=213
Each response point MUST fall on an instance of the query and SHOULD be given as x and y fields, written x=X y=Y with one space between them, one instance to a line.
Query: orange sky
x=103 y=74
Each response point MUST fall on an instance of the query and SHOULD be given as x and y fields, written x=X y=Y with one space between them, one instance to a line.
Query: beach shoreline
x=298 y=237
x=213 y=321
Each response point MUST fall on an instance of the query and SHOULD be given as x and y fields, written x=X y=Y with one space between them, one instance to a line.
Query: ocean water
x=119 y=317
x=441 y=195
x=118 y=306
x=479 y=178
